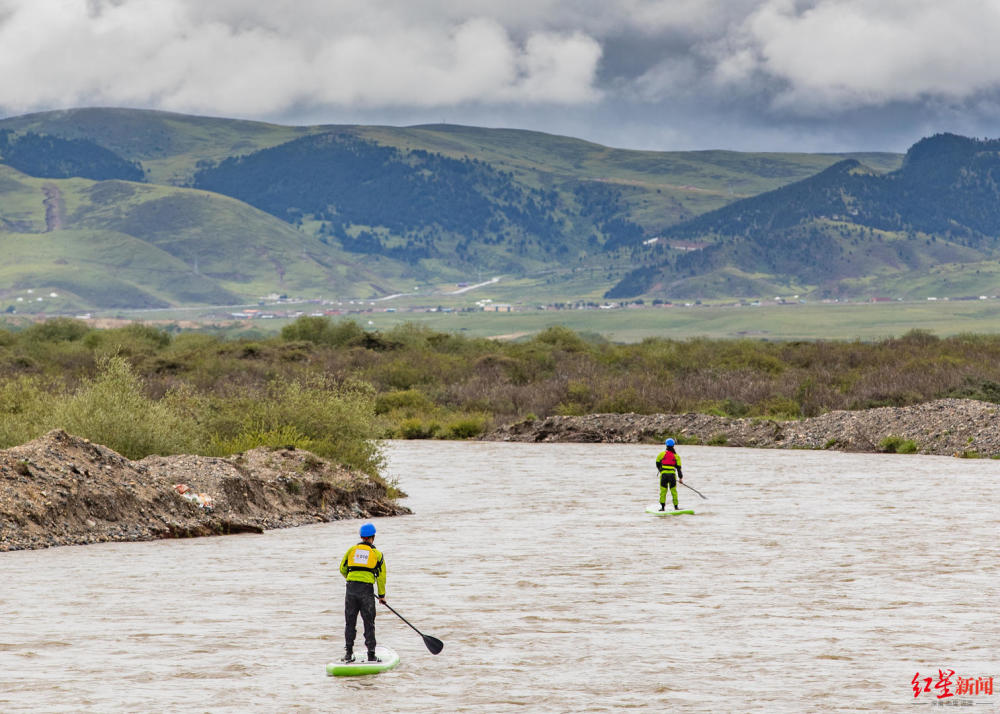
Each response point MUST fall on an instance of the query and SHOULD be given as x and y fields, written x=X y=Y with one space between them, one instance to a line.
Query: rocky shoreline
x=951 y=427
x=63 y=490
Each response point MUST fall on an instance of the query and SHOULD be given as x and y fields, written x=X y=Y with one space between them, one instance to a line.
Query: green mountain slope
x=124 y=244
x=367 y=210
x=848 y=229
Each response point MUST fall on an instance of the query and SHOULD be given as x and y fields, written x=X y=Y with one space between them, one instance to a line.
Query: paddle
x=433 y=644
x=695 y=490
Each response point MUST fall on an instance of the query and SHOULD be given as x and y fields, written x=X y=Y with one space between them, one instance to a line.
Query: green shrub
x=59 y=329
x=561 y=338
x=717 y=440
x=25 y=410
x=112 y=409
x=466 y=427
x=321 y=331
x=418 y=429
x=735 y=408
x=337 y=418
x=286 y=437
x=781 y=408
x=579 y=392
x=134 y=339
x=402 y=373
x=985 y=390
x=570 y=409
x=898 y=445
x=405 y=399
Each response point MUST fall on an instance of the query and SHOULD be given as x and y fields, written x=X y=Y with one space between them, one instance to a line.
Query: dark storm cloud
x=742 y=74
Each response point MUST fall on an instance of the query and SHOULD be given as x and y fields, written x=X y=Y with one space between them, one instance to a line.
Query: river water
x=807 y=582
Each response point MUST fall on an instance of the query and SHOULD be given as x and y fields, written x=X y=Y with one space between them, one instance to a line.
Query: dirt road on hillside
x=55 y=208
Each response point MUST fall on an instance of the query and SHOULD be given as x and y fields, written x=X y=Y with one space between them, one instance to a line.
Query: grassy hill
x=928 y=228
x=369 y=210
x=124 y=244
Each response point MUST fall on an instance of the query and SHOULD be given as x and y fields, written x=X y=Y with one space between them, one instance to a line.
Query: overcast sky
x=753 y=75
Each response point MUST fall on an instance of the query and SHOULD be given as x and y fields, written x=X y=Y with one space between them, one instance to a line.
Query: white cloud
x=259 y=58
x=556 y=65
x=852 y=53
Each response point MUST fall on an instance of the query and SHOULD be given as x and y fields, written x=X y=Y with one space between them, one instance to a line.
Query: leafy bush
x=561 y=338
x=112 y=409
x=135 y=339
x=418 y=429
x=406 y=399
x=781 y=408
x=898 y=445
x=466 y=427
x=25 y=410
x=570 y=409
x=58 y=329
x=286 y=437
x=322 y=331
x=337 y=418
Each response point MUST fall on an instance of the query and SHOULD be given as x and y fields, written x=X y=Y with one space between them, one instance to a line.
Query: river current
x=806 y=582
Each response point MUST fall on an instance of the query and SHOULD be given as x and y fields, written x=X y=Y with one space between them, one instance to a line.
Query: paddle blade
x=433 y=644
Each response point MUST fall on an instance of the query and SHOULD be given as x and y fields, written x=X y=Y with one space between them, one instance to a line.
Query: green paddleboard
x=361 y=665
x=669 y=511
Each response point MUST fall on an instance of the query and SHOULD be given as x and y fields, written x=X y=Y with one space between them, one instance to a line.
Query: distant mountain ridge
x=249 y=208
x=846 y=229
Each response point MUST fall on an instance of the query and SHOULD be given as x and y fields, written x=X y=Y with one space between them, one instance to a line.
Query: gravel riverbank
x=952 y=427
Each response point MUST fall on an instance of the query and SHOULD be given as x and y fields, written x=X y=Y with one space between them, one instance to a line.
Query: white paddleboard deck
x=668 y=510
x=361 y=665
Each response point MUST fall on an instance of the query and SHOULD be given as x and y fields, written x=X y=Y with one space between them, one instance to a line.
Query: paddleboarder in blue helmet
x=364 y=569
x=668 y=465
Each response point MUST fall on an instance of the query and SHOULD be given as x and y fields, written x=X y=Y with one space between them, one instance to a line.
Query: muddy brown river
x=807 y=582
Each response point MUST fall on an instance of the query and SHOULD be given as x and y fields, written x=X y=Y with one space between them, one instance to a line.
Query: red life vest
x=667 y=461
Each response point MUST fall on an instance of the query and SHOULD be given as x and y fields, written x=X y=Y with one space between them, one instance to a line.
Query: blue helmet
x=367 y=530
x=670 y=442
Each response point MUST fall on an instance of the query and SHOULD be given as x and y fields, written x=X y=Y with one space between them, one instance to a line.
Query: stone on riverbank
x=952 y=427
x=63 y=490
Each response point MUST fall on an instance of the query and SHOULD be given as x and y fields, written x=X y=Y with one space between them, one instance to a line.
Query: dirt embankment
x=63 y=490
x=963 y=427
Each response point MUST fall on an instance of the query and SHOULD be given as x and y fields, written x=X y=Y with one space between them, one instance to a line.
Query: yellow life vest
x=364 y=558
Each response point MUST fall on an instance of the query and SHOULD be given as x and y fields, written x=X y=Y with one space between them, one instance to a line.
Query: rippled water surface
x=808 y=582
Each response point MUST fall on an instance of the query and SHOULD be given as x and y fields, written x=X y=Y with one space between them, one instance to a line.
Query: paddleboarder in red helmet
x=364 y=568
x=668 y=464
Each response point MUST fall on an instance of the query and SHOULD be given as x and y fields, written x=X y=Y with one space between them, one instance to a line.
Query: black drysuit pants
x=360 y=598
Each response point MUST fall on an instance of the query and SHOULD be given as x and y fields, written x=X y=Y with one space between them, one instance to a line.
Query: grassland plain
x=835 y=321
x=866 y=321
